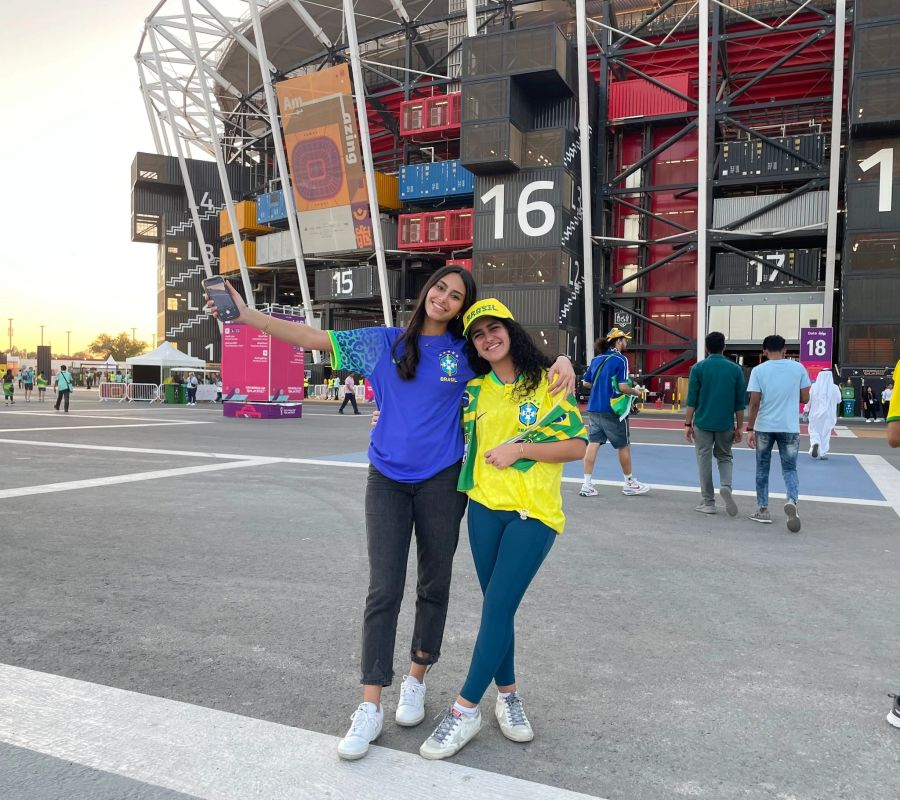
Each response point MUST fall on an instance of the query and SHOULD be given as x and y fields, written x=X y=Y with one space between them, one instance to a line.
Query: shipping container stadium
x=667 y=166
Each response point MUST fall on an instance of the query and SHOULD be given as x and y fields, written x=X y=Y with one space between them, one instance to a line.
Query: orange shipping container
x=228 y=260
x=246 y=217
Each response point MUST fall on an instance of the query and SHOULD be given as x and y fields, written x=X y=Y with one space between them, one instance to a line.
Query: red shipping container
x=640 y=98
x=436 y=230
x=465 y=263
x=430 y=118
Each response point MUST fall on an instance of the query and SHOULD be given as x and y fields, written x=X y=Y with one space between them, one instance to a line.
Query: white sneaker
x=365 y=728
x=588 y=491
x=511 y=716
x=633 y=486
x=411 y=708
x=454 y=733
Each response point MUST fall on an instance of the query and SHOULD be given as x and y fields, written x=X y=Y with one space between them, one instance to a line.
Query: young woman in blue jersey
x=419 y=376
x=517 y=437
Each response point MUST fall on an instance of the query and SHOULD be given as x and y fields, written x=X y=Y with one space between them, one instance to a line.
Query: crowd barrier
x=146 y=392
x=112 y=391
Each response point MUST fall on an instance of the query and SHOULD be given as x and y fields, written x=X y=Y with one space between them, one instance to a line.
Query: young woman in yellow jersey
x=517 y=438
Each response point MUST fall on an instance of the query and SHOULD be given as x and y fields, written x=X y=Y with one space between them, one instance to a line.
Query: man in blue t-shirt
x=776 y=387
x=607 y=377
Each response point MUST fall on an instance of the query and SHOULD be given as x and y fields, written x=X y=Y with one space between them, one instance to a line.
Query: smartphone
x=217 y=292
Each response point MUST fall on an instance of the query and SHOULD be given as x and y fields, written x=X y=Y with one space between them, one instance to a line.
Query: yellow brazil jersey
x=501 y=415
x=893 y=414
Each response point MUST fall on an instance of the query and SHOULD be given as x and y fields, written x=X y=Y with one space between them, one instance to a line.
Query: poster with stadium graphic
x=325 y=162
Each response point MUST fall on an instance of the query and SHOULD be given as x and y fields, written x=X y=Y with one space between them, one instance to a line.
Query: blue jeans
x=508 y=552
x=788 y=447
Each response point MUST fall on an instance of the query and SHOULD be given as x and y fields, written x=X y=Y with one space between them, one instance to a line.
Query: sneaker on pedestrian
x=705 y=508
x=793 y=518
x=588 y=491
x=633 y=486
x=411 y=708
x=815 y=451
x=511 y=715
x=894 y=716
x=455 y=731
x=730 y=506
x=762 y=515
x=365 y=727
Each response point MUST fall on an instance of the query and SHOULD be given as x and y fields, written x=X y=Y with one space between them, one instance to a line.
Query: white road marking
x=215 y=755
x=64 y=416
x=885 y=477
x=134 y=477
x=92 y=427
x=118 y=449
x=843 y=432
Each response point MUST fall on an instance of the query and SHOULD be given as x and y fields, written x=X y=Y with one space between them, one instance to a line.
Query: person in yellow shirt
x=892 y=415
x=517 y=438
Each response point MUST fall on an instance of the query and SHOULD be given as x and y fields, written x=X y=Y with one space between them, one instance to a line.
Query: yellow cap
x=617 y=333
x=490 y=307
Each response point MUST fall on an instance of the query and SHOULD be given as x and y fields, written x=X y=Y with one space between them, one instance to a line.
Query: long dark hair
x=405 y=352
x=530 y=362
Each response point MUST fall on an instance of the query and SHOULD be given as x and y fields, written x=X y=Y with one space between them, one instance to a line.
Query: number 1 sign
x=816 y=349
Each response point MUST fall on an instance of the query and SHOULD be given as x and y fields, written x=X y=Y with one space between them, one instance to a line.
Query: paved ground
x=182 y=598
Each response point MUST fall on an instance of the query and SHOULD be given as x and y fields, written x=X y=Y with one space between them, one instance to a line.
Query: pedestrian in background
x=886 y=395
x=824 y=398
x=9 y=388
x=349 y=395
x=775 y=388
x=714 y=421
x=192 y=384
x=609 y=382
x=28 y=383
x=871 y=406
x=64 y=385
x=41 y=383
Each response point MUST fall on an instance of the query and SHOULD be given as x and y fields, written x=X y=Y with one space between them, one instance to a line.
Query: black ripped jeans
x=434 y=509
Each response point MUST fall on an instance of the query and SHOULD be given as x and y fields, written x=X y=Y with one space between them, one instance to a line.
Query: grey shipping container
x=554 y=112
x=761 y=273
x=536 y=56
x=564 y=232
x=876 y=48
x=869 y=298
x=758 y=158
x=869 y=10
x=344 y=284
x=487 y=147
x=542 y=305
x=802 y=214
x=863 y=208
x=551 y=147
x=871 y=252
x=563 y=195
x=556 y=266
x=495 y=99
x=554 y=341
x=875 y=102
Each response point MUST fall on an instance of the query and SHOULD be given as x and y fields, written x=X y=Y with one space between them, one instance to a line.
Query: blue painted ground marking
x=839 y=476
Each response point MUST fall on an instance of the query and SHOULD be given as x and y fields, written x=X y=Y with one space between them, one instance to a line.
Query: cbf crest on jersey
x=449 y=363
x=528 y=413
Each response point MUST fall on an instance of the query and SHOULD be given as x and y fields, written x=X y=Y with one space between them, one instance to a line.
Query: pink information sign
x=258 y=368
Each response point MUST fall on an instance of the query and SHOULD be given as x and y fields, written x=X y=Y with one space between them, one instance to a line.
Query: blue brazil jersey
x=600 y=374
x=418 y=433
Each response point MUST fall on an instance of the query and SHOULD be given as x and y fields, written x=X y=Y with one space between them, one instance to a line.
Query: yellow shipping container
x=388 y=189
x=228 y=260
x=245 y=212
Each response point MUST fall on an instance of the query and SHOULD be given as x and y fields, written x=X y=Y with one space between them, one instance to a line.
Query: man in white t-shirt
x=349 y=395
x=776 y=387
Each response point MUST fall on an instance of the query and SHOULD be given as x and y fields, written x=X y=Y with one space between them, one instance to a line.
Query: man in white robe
x=824 y=397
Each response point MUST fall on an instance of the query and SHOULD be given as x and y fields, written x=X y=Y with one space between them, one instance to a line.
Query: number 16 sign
x=816 y=349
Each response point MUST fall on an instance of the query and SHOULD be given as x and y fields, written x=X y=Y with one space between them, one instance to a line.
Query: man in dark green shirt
x=714 y=420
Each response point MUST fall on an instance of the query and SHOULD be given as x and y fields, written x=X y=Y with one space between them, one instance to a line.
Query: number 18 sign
x=816 y=349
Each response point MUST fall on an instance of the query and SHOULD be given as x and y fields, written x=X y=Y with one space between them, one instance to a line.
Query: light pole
x=42 y=335
x=10 y=332
x=69 y=344
x=133 y=337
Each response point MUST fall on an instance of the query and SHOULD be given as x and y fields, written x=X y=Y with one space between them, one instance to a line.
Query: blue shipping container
x=270 y=208
x=436 y=180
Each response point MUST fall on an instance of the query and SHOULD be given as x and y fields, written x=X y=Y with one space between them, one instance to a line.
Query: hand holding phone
x=222 y=300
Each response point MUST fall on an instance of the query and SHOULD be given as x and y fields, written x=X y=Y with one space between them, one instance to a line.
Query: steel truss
x=730 y=114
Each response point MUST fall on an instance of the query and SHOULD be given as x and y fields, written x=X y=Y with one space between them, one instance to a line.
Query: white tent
x=165 y=356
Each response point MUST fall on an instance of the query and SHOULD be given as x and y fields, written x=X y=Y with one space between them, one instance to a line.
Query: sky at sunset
x=73 y=120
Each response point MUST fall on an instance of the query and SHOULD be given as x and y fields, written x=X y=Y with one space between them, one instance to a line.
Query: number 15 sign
x=816 y=349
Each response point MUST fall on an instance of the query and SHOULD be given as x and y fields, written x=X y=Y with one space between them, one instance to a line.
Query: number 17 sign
x=816 y=349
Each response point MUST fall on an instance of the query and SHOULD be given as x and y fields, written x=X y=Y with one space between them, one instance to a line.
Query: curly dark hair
x=530 y=362
x=405 y=352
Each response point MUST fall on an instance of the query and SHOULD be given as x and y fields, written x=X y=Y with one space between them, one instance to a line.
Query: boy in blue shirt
x=776 y=387
x=607 y=377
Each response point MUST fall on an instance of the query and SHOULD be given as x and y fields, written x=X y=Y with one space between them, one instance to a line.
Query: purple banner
x=250 y=410
x=816 y=350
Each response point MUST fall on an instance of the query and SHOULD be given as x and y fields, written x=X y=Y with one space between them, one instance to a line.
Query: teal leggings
x=508 y=552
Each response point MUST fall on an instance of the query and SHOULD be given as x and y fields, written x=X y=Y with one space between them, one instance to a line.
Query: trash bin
x=173 y=393
x=848 y=401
